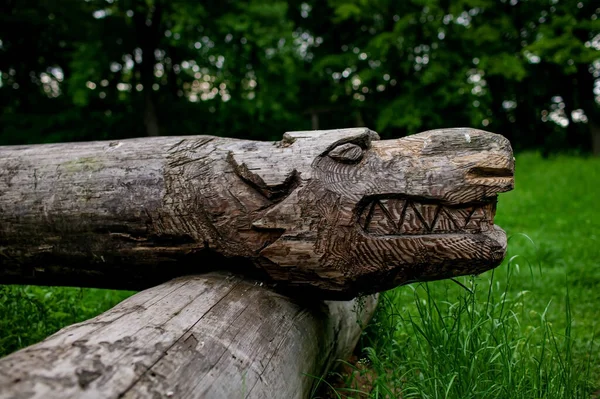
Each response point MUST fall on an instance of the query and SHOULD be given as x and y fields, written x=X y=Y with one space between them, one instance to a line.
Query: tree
x=133 y=68
x=524 y=69
x=123 y=68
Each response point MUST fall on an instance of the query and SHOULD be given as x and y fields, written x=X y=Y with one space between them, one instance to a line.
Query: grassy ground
x=29 y=314
x=526 y=330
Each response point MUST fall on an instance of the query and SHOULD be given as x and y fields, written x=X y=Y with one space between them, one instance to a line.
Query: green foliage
x=96 y=69
x=505 y=65
x=347 y=11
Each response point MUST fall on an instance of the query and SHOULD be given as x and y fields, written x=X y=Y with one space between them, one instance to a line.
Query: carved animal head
x=360 y=215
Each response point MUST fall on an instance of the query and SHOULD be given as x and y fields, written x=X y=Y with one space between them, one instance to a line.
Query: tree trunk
x=148 y=30
x=336 y=213
x=150 y=118
x=595 y=131
x=589 y=105
x=211 y=336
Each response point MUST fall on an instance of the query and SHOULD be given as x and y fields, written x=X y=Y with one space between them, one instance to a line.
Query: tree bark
x=210 y=336
x=148 y=31
x=589 y=105
x=336 y=213
x=595 y=131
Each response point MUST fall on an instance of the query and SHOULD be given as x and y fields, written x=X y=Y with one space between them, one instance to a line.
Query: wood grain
x=330 y=213
x=210 y=336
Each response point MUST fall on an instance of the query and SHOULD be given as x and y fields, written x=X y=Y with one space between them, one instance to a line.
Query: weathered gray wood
x=209 y=336
x=333 y=212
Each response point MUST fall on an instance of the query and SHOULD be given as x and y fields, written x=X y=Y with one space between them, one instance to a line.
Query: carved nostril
x=490 y=172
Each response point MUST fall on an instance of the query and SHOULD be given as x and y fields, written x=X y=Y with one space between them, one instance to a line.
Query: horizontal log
x=206 y=336
x=335 y=213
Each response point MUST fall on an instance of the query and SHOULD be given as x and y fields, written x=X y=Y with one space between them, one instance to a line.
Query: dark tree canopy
x=99 y=69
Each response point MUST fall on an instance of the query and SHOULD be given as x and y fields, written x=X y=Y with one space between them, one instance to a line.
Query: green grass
x=526 y=330
x=29 y=314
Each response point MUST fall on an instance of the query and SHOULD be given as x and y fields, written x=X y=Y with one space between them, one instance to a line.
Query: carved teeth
x=413 y=222
x=393 y=216
x=427 y=213
x=380 y=222
x=477 y=216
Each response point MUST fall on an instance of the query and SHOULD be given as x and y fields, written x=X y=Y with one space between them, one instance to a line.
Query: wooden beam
x=335 y=213
x=206 y=336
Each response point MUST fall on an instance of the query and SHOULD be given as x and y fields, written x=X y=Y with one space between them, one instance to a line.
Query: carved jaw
x=428 y=241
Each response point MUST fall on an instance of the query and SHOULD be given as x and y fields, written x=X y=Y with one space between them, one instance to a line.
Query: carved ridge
x=273 y=192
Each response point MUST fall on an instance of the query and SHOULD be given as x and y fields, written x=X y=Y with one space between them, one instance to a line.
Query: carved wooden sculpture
x=336 y=212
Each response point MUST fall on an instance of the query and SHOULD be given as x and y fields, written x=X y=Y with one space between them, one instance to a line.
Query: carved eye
x=347 y=153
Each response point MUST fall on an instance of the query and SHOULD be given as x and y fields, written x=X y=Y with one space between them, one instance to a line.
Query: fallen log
x=334 y=213
x=209 y=336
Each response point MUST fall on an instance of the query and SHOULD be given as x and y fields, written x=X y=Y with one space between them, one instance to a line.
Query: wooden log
x=336 y=212
x=209 y=336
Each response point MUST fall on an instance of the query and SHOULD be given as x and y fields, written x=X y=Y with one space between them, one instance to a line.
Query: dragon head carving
x=357 y=214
